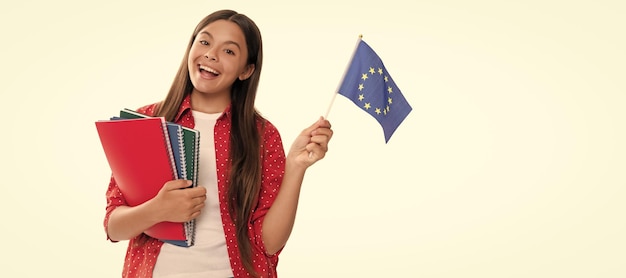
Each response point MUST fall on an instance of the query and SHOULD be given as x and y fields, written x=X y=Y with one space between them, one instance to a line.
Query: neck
x=209 y=103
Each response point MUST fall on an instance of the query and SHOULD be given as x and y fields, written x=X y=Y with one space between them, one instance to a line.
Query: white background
x=510 y=165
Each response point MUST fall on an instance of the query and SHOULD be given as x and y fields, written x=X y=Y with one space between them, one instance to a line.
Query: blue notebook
x=178 y=148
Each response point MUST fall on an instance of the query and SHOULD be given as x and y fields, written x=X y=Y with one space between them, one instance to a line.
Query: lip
x=207 y=72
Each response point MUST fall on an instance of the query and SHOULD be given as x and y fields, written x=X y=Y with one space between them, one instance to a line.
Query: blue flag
x=368 y=84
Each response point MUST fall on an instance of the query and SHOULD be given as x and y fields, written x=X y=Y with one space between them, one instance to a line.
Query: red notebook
x=140 y=156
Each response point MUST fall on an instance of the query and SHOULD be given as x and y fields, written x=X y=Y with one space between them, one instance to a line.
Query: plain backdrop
x=511 y=163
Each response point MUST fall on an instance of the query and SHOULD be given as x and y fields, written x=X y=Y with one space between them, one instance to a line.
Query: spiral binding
x=169 y=147
x=181 y=149
x=190 y=226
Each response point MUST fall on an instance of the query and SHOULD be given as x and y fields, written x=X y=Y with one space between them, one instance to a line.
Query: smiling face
x=217 y=58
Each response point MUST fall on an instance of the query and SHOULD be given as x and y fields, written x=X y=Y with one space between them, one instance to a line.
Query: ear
x=249 y=70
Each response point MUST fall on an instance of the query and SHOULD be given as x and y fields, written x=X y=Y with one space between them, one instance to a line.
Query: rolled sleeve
x=114 y=198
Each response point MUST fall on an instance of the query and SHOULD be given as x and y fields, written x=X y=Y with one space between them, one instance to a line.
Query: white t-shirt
x=208 y=256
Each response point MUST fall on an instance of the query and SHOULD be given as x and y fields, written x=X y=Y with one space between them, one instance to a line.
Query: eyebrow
x=227 y=42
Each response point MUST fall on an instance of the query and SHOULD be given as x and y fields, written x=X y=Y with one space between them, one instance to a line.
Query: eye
x=204 y=42
x=229 y=52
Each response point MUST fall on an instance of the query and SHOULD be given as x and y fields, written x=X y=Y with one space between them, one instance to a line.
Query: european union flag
x=368 y=84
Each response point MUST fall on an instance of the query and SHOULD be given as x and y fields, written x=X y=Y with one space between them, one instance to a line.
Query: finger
x=321 y=122
x=200 y=199
x=194 y=215
x=323 y=131
x=316 y=151
x=195 y=192
x=324 y=123
x=320 y=140
x=199 y=205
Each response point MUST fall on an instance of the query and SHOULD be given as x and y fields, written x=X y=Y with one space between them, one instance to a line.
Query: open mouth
x=207 y=71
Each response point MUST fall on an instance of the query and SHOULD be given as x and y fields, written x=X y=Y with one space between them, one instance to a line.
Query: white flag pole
x=343 y=77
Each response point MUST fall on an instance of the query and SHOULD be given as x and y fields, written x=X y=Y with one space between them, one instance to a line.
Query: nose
x=210 y=54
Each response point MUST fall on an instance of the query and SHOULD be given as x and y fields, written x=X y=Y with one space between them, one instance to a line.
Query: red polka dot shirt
x=143 y=250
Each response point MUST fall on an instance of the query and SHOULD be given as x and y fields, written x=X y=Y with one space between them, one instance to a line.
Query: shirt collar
x=185 y=107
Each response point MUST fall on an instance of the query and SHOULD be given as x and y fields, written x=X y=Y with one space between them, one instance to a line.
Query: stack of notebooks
x=146 y=152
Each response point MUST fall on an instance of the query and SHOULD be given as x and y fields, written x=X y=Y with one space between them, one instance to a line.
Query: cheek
x=191 y=61
x=194 y=53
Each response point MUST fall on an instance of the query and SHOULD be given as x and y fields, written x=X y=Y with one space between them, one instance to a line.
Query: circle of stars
x=368 y=105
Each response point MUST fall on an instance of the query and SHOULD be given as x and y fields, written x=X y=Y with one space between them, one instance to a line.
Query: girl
x=245 y=204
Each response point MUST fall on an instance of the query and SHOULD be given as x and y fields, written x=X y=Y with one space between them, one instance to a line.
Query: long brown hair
x=245 y=151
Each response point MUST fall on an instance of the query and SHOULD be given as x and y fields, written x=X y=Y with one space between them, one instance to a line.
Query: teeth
x=205 y=68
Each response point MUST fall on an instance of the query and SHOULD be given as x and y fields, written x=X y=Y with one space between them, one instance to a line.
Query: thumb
x=176 y=184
